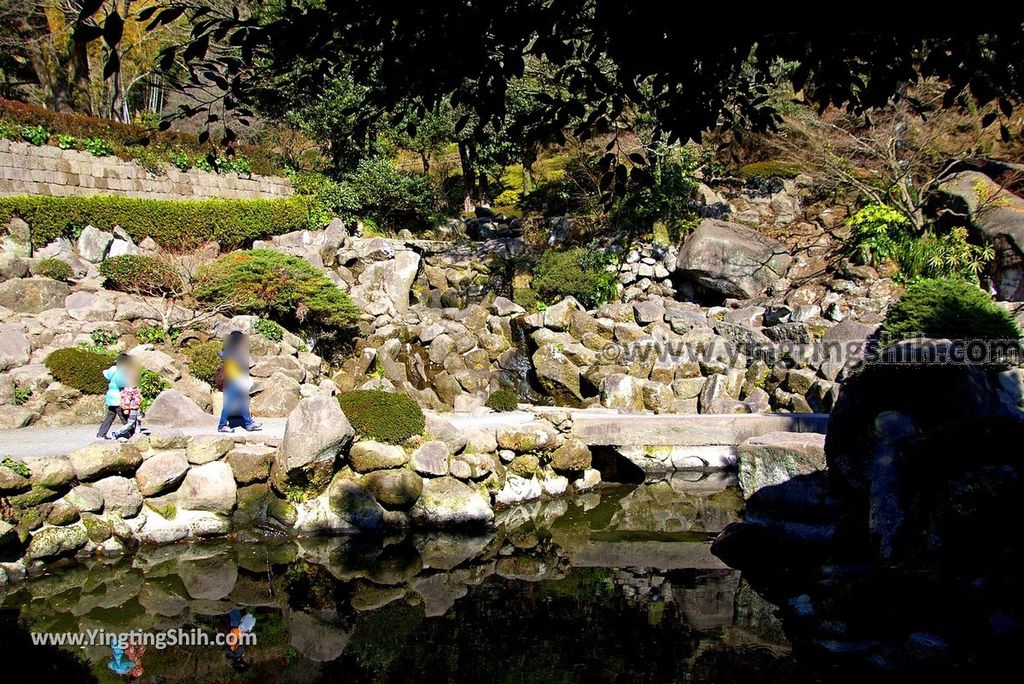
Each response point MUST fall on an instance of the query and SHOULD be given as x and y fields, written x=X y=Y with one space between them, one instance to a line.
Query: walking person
x=131 y=404
x=234 y=375
x=115 y=376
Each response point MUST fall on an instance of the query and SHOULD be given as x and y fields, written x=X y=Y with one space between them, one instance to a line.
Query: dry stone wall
x=46 y=170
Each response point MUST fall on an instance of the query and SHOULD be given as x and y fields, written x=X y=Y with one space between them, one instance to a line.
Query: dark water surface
x=616 y=585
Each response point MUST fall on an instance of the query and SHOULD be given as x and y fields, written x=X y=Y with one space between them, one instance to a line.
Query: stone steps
x=689 y=430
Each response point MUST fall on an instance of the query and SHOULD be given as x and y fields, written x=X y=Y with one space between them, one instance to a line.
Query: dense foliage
x=502 y=400
x=204 y=360
x=172 y=223
x=268 y=329
x=151 y=384
x=947 y=309
x=382 y=416
x=579 y=273
x=280 y=286
x=140 y=274
x=80 y=369
x=52 y=268
x=882 y=235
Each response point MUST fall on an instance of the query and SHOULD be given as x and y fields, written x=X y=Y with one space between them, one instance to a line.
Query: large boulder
x=997 y=215
x=623 y=392
x=121 y=496
x=776 y=457
x=18 y=241
x=90 y=307
x=315 y=435
x=394 y=489
x=161 y=472
x=93 y=244
x=537 y=435
x=208 y=487
x=172 y=409
x=447 y=502
x=33 y=295
x=732 y=260
x=368 y=455
x=105 y=458
x=277 y=396
x=351 y=502
x=15 y=349
x=559 y=376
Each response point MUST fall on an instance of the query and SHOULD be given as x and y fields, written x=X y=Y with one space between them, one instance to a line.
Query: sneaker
x=225 y=429
x=108 y=436
x=253 y=427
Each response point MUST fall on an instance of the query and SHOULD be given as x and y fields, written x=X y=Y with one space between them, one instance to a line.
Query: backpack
x=218 y=380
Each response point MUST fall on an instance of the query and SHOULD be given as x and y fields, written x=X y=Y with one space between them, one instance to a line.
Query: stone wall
x=46 y=170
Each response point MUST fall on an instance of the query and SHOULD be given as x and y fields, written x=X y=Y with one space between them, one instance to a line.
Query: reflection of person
x=131 y=403
x=115 y=376
x=238 y=626
x=127 y=661
x=237 y=383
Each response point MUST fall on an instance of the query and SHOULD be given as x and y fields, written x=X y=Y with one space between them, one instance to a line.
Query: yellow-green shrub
x=204 y=360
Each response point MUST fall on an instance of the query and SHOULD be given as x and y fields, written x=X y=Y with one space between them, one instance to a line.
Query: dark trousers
x=108 y=420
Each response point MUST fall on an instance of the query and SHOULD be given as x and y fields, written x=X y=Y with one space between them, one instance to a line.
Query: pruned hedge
x=382 y=416
x=80 y=369
x=172 y=223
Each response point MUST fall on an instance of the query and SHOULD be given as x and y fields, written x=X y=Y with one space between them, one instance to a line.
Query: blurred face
x=131 y=373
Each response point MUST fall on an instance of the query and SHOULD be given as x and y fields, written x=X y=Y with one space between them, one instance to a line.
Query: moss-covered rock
x=33 y=497
x=525 y=465
x=282 y=511
x=573 y=455
x=96 y=528
x=55 y=541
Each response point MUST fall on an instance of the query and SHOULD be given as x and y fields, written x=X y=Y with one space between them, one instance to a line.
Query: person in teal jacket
x=116 y=376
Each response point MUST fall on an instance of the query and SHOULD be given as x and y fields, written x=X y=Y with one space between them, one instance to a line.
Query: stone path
x=31 y=443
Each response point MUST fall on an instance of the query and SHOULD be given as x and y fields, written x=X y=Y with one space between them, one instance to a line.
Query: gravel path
x=31 y=443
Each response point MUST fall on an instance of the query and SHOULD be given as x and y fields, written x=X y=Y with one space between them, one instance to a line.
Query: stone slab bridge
x=660 y=442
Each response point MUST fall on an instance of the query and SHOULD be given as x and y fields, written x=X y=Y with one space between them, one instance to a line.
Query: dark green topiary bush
x=80 y=369
x=276 y=285
x=139 y=273
x=204 y=360
x=770 y=169
x=579 y=273
x=503 y=400
x=52 y=268
x=382 y=416
x=172 y=223
x=950 y=309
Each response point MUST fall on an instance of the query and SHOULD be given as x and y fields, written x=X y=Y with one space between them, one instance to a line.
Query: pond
x=615 y=585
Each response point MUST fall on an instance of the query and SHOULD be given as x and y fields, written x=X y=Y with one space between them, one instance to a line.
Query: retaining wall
x=46 y=170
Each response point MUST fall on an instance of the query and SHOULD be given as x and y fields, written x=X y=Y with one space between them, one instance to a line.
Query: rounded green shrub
x=503 y=400
x=140 y=274
x=277 y=285
x=578 y=273
x=382 y=416
x=151 y=384
x=204 y=360
x=52 y=268
x=947 y=309
x=80 y=369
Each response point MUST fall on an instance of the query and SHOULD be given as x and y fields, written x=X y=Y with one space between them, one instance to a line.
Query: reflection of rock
x=315 y=639
x=439 y=592
x=210 y=578
x=443 y=551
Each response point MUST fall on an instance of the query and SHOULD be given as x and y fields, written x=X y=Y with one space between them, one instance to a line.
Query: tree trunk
x=425 y=158
x=467 y=153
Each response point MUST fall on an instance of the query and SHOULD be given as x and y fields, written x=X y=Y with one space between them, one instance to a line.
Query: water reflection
x=615 y=585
